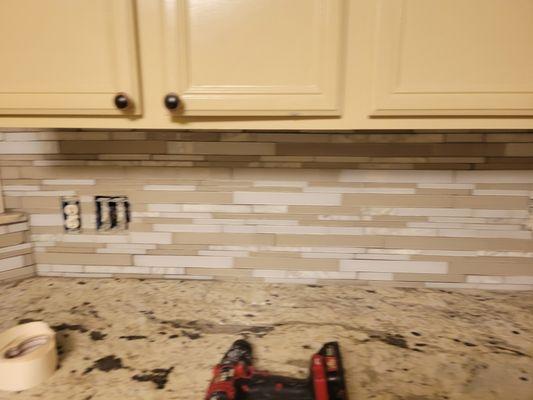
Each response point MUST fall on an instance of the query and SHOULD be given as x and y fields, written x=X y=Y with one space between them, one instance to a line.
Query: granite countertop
x=133 y=339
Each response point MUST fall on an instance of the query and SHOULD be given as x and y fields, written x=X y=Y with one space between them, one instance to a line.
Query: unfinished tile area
x=416 y=209
x=154 y=339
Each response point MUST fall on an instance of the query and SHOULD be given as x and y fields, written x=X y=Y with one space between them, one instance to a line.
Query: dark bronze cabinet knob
x=121 y=101
x=172 y=101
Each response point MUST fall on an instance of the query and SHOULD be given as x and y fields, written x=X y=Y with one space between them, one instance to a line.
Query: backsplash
x=16 y=260
x=432 y=209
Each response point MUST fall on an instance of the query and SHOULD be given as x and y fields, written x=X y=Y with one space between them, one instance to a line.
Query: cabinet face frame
x=391 y=97
x=122 y=21
x=322 y=97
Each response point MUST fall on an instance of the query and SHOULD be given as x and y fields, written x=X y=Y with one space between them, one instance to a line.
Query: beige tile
x=182 y=261
x=83 y=258
x=396 y=176
x=412 y=201
x=19 y=273
x=394 y=266
x=223 y=239
x=501 y=268
x=274 y=198
x=11 y=239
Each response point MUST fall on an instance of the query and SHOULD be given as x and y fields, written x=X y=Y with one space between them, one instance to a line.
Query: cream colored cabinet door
x=254 y=57
x=454 y=57
x=68 y=57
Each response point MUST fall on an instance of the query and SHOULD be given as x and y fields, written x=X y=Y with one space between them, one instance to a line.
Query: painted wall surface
x=432 y=209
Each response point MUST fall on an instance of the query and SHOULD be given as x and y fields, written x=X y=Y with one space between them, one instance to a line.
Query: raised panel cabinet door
x=254 y=57
x=454 y=58
x=68 y=57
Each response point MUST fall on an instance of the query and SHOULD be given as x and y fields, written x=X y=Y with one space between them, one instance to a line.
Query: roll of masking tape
x=28 y=356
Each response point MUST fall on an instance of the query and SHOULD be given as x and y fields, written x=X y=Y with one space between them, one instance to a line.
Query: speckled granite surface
x=131 y=339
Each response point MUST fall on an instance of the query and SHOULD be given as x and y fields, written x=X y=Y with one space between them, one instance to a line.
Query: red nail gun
x=236 y=379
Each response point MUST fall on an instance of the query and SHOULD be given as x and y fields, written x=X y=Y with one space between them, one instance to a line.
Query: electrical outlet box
x=112 y=213
x=70 y=207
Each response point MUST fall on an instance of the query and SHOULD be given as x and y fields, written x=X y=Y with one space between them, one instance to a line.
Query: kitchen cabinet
x=454 y=58
x=68 y=57
x=267 y=64
x=261 y=57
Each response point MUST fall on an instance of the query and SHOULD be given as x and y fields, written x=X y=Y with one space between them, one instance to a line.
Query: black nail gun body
x=235 y=378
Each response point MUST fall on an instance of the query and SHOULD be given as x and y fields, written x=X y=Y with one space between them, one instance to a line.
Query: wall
x=16 y=261
x=431 y=209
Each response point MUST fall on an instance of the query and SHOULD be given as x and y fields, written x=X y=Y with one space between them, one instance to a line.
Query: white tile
x=20 y=187
x=270 y=209
x=40 y=147
x=23 y=226
x=222 y=208
x=151 y=237
x=494 y=192
x=499 y=213
x=310 y=230
x=275 y=198
x=400 y=232
x=63 y=267
x=452 y=225
x=174 y=188
x=484 y=233
x=218 y=221
x=46 y=219
x=297 y=184
x=113 y=269
x=302 y=281
x=50 y=193
x=446 y=186
x=101 y=238
x=189 y=277
x=516 y=280
x=224 y=253
x=427 y=267
x=339 y=218
x=375 y=276
x=484 y=279
x=183 y=261
x=388 y=176
x=76 y=182
x=165 y=207
x=121 y=251
x=186 y=215
x=187 y=228
x=398 y=257
x=142 y=246
x=339 y=256
x=16 y=247
x=266 y=273
x=11 y=263
x=167 y=271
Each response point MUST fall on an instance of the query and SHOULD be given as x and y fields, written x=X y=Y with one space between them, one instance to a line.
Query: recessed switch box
x=112 y=213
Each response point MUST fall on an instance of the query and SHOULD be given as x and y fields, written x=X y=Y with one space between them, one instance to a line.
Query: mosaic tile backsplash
x=433 y=209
